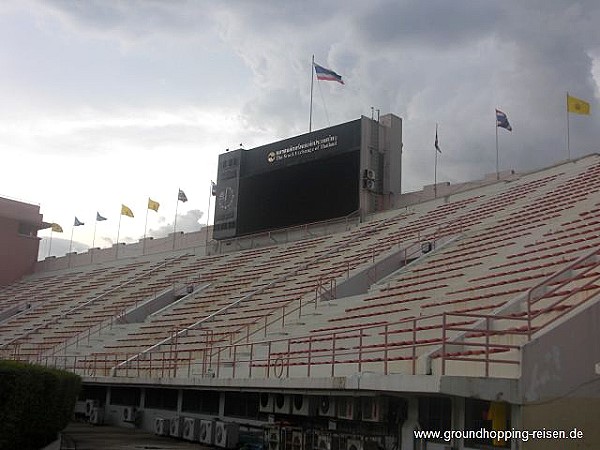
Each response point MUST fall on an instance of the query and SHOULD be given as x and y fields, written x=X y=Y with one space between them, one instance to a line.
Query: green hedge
x=35 y=404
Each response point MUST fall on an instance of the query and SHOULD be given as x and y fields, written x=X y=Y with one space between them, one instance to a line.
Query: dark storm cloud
x=134 y=20
x=431 y=62
x=437 y=23
x=446 y=62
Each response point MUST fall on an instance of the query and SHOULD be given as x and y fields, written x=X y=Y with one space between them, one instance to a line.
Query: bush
x=35 y=404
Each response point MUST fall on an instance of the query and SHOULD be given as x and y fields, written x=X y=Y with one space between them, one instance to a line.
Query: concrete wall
x=564 y=414
x=559 y=386
x=445 y=189
x=194 y=242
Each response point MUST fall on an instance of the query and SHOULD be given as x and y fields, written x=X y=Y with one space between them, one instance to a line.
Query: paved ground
x=90 y=437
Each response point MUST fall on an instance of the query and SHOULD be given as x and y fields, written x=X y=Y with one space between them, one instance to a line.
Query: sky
x=112 y=102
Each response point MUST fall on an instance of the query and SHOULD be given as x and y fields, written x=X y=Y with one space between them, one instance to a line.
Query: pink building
x=19 y=224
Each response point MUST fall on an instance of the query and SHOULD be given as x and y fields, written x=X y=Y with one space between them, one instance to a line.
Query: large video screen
x=299 y=180
x=316 y=190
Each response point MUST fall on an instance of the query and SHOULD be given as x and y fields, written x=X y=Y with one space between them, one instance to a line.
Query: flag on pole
x=125 y=211
x=181 y=196
x=324 y=74
x=577 y=106
x=437 y=146
x=99 y=218
x=153 y=205
x=56 y=228
x=502 y=120
x=77 y=222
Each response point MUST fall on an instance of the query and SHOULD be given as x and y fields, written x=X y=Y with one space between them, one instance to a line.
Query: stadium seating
x=471 y=300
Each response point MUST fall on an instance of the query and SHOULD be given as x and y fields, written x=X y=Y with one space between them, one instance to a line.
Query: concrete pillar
x=410 y=424
x=516 y=422
x=179 y=402
x=222 y=405
x=458 y=419
x=107 y=416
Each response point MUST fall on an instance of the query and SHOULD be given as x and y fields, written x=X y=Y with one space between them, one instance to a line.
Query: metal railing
x=459 y=336
x=560 y=280
x=356 y=347
x=237 y=302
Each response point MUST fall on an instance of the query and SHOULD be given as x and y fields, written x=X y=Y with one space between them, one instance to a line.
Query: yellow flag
x=577 y=106
x=125 y=211
x=153 y=205
x=56 y=228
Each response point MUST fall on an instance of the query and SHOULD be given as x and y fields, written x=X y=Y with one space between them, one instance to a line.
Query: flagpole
x=175 y=220
x=118 y=233
x=435 y=165
x=497 y=153
x=208 y=214
x=568 y=133
x=94 y=238
x=145 y=228
x=91 y=250
x=50 y=246
x=71 y=242
x=312 y=81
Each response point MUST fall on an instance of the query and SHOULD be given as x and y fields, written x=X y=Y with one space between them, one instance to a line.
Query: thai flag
x=327 y=75
x=502 y=120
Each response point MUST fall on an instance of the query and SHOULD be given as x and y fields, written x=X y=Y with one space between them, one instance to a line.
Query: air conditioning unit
x=129 y=414
x=192 y=428
x=176 y=427
x=323 y=442
x=266 y=404
x=207 y=434
x=97 y=415
x=282 y=403
x=326 y=406
x=354 y=444
x=273 y=438
x=297 y=440
x=226 y=434
x=373 y=409
x=89 y=405
x=303 y=405
x=161 y=426
x=369 y=174
x=346 y=408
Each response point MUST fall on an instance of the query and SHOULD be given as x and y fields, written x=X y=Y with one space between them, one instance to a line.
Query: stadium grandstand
x=465 y=307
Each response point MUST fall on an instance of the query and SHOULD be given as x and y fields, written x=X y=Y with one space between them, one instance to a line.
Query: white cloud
x=59 y=247
x=187 y=223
